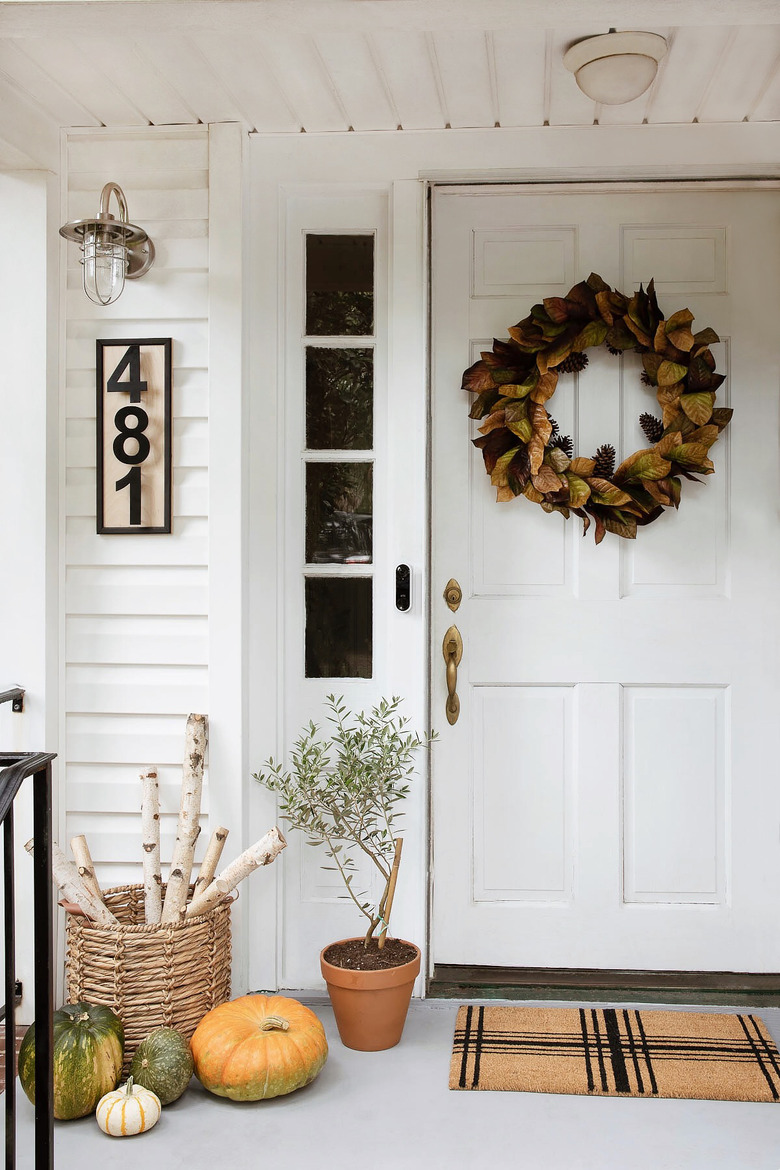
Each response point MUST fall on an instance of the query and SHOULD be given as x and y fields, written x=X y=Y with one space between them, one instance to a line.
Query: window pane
x=338 y=627
x=339 y=399
x=338 y=513
x=339 y=286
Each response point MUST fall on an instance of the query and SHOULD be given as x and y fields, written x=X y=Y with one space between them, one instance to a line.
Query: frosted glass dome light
x=615 y=67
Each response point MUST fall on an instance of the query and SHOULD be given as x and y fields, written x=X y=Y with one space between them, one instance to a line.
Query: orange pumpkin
x=258 y=1046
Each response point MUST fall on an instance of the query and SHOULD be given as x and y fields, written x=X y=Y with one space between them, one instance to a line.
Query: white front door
x=609 y=794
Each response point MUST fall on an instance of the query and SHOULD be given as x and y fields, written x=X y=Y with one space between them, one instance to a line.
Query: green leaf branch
x=343 y=791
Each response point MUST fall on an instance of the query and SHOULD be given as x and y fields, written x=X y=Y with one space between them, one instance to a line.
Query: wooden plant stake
x=211 y=859
x=69 y=881
x=150 y=838
x=195 y=740
x=399 y=844
x=85 y=865
x=263 y=852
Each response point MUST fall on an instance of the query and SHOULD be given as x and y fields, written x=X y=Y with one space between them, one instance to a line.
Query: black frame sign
x=134 y=435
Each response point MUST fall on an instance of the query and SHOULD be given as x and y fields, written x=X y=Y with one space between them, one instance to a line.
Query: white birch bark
x=263 y=852
x=211 y=859
x=195 y=740
x=150 y=839
x=85 y=865
x=67 y=878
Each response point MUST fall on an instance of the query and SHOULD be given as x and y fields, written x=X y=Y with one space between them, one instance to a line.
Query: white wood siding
x=136 y=634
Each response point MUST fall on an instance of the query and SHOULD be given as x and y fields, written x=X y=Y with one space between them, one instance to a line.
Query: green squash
x=88 y=1046
x=163 y=1063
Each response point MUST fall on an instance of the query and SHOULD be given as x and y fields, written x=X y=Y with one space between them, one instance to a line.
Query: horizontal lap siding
x=136 y=607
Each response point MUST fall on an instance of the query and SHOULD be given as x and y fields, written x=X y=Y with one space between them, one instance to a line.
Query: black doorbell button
x=403 y=588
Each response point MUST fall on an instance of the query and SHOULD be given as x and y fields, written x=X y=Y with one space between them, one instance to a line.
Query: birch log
x=211 y=860
x=263 y=852
x=150 y=838
x=85 y=865
x=67 y=878
x=187 y=830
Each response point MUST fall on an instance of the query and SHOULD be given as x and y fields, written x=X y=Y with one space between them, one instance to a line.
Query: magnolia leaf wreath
x=524 y=452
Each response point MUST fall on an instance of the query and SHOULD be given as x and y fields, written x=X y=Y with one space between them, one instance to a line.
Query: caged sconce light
x=112 y=250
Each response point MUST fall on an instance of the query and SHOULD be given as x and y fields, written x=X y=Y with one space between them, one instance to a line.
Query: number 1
x=133 y=481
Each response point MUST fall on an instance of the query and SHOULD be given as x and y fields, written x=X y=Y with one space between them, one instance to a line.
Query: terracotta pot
x=370 y=1006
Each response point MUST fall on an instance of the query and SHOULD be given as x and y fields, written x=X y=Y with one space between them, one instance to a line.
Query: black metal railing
x=14 y=770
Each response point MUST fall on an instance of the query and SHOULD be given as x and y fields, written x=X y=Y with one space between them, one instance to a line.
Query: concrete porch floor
x=393 y=1111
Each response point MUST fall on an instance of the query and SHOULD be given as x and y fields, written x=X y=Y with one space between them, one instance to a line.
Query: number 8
x=136 y=432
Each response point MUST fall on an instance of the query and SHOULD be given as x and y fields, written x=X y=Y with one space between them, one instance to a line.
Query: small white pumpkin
x=128 y=1110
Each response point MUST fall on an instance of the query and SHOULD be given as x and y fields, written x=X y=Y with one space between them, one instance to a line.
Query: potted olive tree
x=343 y=790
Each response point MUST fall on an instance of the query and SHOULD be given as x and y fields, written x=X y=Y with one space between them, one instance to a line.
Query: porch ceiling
x=282 y=66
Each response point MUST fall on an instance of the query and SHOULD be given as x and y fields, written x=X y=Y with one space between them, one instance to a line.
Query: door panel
x=608 y=795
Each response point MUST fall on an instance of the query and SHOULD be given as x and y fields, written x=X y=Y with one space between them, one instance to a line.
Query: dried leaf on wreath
x=721 y=416
x=669 y=440
x=698 y=406
x=557 y=459
x=642 y=465
x=579 y=490
x=604 y=492
x=707 y=435
x=530 y=493
x=582 y=466
x=545 y=387
x=477 y=378
x=496 y=419
x=486 y=400
x=692 y=457
x=670 y=373
x=546 y=480
x=622 y=525
x=498 y=475
x=493 y=446
x=593 y=334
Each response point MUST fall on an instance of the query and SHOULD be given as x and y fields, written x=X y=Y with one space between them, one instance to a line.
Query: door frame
x=452 y=980
x=402 y=164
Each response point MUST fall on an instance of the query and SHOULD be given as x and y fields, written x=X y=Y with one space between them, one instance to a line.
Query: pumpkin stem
x=129 y=1087
x=271 y=1022
x=84 y=1016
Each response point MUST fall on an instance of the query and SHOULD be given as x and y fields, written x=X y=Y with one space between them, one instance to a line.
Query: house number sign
x=134 y=436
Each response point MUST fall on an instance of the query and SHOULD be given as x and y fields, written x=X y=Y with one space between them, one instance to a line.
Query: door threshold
x=451 y=981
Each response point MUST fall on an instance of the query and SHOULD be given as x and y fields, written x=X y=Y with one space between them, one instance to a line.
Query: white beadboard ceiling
x=317 y=66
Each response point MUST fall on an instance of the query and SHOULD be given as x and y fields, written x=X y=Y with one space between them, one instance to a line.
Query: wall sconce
x=615 y=67
x=111 y=249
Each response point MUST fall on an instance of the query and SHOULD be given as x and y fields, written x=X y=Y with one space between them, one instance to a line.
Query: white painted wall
x=137 y=642
x=28 y=491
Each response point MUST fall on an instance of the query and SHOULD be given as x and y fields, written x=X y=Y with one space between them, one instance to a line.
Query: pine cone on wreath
x=653 y=427
x=574 y=363
x=565 y=443
x=614 y=350
x=605 y=461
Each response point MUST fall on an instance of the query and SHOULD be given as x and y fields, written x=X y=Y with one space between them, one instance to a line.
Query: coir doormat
x=608 y=1052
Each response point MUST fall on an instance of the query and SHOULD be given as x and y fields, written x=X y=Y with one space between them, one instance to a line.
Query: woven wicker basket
x=151 y=976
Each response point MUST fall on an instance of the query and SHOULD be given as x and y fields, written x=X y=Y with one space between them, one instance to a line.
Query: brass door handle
x=452 y=649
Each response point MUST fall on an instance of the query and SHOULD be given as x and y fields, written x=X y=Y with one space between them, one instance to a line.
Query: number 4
x=131 y=361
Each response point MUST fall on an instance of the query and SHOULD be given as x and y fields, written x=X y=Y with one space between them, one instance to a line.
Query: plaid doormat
x=615 y=1053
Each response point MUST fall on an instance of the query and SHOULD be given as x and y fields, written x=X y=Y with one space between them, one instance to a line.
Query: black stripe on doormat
x=759 y=1058
x=466 y=1039
x=616 y=1051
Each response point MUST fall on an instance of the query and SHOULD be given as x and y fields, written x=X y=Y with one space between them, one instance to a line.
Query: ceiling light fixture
x=112 y=250
x=615 y=67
